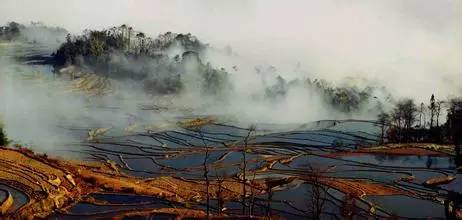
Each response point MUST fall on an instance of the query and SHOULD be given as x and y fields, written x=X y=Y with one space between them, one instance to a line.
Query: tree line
x=346 y=99
x=409 y=122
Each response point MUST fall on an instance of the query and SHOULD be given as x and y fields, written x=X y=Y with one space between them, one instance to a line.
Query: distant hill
x=160 y=63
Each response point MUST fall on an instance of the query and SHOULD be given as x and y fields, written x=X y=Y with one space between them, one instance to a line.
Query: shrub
x=3 y=139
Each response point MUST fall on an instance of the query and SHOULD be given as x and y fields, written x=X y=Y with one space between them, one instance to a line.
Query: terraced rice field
x=332 y=168
x=162 y=174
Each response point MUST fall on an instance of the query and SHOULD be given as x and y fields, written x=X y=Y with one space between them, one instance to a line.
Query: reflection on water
x=275 y=151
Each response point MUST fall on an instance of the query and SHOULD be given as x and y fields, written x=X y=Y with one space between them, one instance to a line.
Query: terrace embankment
x=408 y=149
x=55 y=185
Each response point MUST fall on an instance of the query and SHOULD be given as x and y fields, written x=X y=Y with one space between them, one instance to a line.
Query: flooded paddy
x=292 y=157
x=160 y=167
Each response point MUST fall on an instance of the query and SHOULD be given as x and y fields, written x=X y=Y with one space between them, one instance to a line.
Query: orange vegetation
x=196 y=123
x=361 y=188
x=358 y=188
x=52 y=184
x=401 y=150
x=439 y=180
x=180 y=213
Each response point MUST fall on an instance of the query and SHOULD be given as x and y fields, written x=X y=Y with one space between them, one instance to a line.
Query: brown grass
x=400 y=150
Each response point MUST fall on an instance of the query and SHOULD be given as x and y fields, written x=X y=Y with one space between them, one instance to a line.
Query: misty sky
x=412 y=46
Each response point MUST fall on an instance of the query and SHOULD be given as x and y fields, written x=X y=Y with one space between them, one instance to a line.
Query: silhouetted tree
x=422 y=116
x=244 y=168
x=11 y=31
x=432 y=108
x=253 y=188
x=3 y=139
x=383 y=119
x=348 y=207
x=438 y=112
x=206 y=171
x=220 y=191
x=403 y=118
x=317 y=196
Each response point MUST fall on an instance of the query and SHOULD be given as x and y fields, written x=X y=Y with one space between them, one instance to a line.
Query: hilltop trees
x=345 y=99
x=161 y=64
x=96 y=47
x=171 y=63
x=10 y=31
x=35 y=32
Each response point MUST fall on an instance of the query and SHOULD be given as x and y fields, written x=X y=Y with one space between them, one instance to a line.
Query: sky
x=413 y=47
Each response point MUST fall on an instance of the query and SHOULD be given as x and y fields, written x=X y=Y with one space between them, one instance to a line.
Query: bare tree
x=432 y=108
x=219 y=192
x=206 y=171
x=348 y=207
x=383 y=120
x=269 y=189
x=253 y=191
x=244 y=168
x=318 y=194
x=404 y=117
x=438 y=111
x=129 y=39
x=397 y=118
x=409 y=111
x=454 y=122
x=422 y=115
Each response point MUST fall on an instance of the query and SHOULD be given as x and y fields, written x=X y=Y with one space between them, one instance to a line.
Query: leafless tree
x=269 y=189
x=348 y=207
x=383 y=120
x=438 y=112
x=422 y=115
x=244 y=167
x=403 y=117
x=206 y=171
x=432 y=108
x=219 y=192
x=318 y=194
x=253 y=191
x=409 y=113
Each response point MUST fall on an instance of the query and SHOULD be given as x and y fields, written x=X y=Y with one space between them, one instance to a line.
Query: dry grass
x=411 y=149
x=53 y=184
